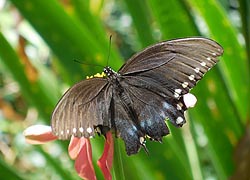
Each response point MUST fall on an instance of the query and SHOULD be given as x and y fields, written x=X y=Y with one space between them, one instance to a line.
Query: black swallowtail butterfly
x=136 y=100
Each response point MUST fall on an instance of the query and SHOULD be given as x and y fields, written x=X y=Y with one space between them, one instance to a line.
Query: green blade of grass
x=216 y=114
x=245 y=16
x=141 y=19
x=234 y=53
x=174 y=18
x=90 y=21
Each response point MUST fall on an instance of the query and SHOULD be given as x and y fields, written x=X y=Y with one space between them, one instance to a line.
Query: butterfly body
x=135 y=101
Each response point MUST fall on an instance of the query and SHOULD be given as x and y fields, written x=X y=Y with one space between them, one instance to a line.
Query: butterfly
x=136 y=101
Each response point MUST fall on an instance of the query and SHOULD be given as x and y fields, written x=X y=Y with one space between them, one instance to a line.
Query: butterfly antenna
x=87 y=63
x=110 y=38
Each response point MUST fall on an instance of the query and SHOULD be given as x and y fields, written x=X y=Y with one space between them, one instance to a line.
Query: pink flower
x=79 y=150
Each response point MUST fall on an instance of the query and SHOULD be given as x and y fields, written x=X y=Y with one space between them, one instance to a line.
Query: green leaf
x=30 y=90
x=174 y=18
x=234 y=53
x=142 y=21
x=66 y=36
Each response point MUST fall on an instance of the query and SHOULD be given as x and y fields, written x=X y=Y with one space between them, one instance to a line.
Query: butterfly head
x=109 y=72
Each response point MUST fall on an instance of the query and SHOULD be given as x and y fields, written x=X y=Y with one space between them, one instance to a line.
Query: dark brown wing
x=82 y=107
x=194 y=52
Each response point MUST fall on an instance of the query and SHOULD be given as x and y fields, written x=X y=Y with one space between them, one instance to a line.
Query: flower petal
x=75 y=146
x=105 y=162
x=189 y=100
x=83 y=163
x=38 y=134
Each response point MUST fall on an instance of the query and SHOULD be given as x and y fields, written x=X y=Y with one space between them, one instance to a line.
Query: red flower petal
x=83 y=163
x=75 y=146
x=38 y=134
x=105 y=162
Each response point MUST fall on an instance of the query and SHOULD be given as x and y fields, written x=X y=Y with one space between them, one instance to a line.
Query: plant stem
x=118 y=172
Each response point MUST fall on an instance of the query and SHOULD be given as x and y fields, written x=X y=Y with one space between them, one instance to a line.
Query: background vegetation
x=39 y=41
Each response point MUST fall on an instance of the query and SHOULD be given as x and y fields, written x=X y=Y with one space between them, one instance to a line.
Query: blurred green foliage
x=39 y=41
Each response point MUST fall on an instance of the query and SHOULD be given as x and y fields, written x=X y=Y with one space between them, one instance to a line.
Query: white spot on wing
x=209 y=58
x=179 y=120
x=197 y=70
x=179 y=107
x=184 y=84
x=81 y=129
x=203 y=64
x=178 y=91
x=176 y=95
x=189 y=100
x=214 y=54
x=74 y=130
x=89 y=130
x=191 y=77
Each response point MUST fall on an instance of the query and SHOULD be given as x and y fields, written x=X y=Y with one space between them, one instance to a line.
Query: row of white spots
x=177 y=92
x=191 y=78
x=74 y=130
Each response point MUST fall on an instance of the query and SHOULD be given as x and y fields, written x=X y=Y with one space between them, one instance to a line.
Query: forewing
x=185 y=52
x=83 y=107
